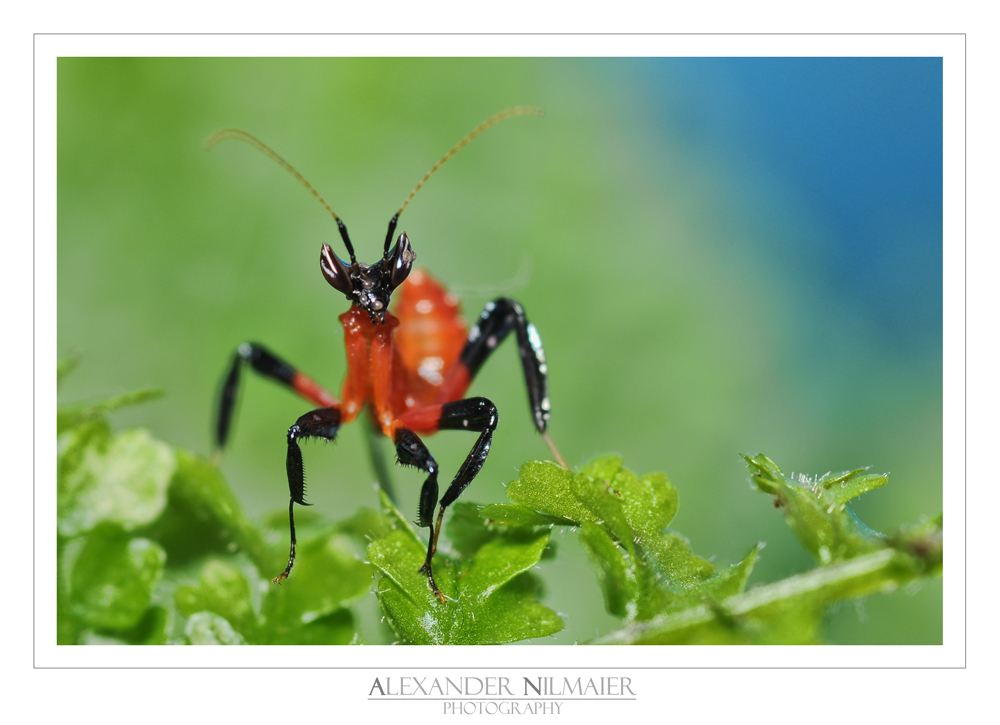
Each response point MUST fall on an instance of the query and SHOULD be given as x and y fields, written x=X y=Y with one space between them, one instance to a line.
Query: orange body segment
x=369 y=367
x=404 y=368
x=430 y=337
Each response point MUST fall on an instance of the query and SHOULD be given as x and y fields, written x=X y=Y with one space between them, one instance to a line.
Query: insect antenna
x=492 y=120
x=235 y=133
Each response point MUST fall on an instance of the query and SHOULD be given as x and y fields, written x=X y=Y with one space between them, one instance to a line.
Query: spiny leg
x=411 y=451
x=495 y=323
x=270 y=366
x=321 y=423
x=472 y=414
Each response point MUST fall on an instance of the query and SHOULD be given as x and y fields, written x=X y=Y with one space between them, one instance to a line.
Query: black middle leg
x=265 y=362
x=321 y=423
x=411 y=451
x=472 y=414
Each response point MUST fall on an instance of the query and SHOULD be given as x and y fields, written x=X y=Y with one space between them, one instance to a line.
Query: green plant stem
x=858 y=577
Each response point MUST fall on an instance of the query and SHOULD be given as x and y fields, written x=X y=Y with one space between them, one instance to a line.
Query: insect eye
x=335 y=271
x=401 y=258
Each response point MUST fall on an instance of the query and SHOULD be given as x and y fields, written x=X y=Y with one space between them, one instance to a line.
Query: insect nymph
x=410 y=367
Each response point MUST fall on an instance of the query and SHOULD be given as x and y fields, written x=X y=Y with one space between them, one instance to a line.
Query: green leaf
x=336 y=628
x=150 y=629
x=547 y=488
x=118 y=478
x=112 y=578
x=498 y=562
x=643 y=569
x=615 y=574
x=203 y=516
x=857 y=562
x=816 y=510
x=465 y=529
x=732 y=580
x=854 y=485
x=68 y=628
x=208 y=628
x=223 y=590
x=764 y=472
x=502 y=514
x=675 y=565
x=606 y=508
x=468 y=528
x=327 y=576
x=650 y=503
x=513 y=613
x=491 y=599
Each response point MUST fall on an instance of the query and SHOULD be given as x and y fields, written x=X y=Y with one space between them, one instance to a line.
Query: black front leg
x=321 y=423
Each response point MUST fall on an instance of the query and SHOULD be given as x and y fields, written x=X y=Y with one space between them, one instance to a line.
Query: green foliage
x=854 y=562
x=644 y=569
x=111 y=578
x=103 y=477
x=816 y=509
x=222 y=590
x=154 y=548
x=492 y=598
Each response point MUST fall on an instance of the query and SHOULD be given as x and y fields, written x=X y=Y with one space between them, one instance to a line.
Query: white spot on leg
x=535 y=340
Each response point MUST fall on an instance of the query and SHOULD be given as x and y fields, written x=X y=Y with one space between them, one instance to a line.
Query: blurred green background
x=721 y=256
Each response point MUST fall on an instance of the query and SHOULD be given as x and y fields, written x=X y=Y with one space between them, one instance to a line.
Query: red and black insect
x=410 y=368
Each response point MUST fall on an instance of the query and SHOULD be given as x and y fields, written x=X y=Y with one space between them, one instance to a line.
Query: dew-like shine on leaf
x=111 y=578
x=119 y=477
x=643 y=568
x=222 y=590
x=492 y=597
